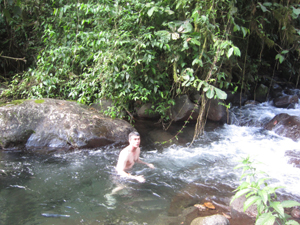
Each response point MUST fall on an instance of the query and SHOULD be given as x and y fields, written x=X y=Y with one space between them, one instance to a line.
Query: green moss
x=14 y=102
x=39 y=101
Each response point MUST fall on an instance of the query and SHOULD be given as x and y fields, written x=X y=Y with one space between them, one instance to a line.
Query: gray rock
x=285 y=101
x=294 y=157
x=216 y=111
x=211 y=220
x=285 y=125
x=58 y=124
x=295 y=213
x=261 y=93
x=102 y=105
x=183 y=108
x=146 y=112
x=238 y=205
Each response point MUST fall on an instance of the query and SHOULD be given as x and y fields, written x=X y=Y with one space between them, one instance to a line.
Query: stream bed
x=75 y=187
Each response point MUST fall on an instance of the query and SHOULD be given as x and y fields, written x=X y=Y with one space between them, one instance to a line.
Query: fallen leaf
x=209 y=205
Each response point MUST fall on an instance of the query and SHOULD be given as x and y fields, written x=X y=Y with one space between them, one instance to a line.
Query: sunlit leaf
x=250 y=201
x=210 y=93
x=150 y=11
x=289 y=204
x=229 y=53
x=278 y=207
x=175 y=36
x=220 y=94
x=265 y=219
x=280 y=57
x=263 y=8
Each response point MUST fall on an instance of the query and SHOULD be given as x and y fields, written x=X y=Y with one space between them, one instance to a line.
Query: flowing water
x=75 y=188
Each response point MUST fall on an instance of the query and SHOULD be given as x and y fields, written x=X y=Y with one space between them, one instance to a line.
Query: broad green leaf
x=296 y=11
x=244 y=30
x=150 y=11
x=284 y=52
x=194 y=41
x=199 y=85
x=289 y=204
x=268 y=4
x=236 y=51
x=236 y=28
x=186 y=27
x=279 y=57
x=239 y=194
x=210 y=93
x=220 y=94
x=291 y=222
x=229 y=53
x=197 y=61
x=263 y=8
x=250 y=201
x=170 y=12
x=262 y=180
x=264 y=196
x=175 y=36
x=278 y=207
x=265 y=219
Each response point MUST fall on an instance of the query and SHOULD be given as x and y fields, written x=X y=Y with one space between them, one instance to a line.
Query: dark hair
x=133 y=133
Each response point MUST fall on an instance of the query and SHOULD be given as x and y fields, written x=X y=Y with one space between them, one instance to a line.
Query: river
x=75 y=187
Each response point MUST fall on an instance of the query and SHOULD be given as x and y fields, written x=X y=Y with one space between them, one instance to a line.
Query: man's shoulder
x=124 y=151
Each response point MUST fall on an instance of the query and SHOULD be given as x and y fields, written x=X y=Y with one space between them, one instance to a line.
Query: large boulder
x=62 y=124
x=211 y=220
x=183 y=109
x=147 y=112
x=236 y=99
x=261 y=93
x=285 y=125
x=285 y=101
x=216 y=111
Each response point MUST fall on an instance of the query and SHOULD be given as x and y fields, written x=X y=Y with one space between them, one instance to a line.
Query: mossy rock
x=39 y=101
x=51 y=123
x=12 y=103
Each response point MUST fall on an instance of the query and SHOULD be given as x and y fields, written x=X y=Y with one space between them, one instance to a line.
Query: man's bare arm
x=148 y=164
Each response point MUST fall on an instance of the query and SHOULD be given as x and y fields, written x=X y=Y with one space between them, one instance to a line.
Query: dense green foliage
x=263 y=196
x=144 y=51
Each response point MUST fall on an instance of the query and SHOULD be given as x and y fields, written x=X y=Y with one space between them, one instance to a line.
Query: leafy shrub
x=259 y=193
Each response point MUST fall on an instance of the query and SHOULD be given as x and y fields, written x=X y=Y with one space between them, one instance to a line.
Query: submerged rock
x=285 y=125
x=295 y=213
x=294 y=157
x=58 y=124
x=211 y=220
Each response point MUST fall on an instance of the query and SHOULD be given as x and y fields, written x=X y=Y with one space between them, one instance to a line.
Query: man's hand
x=140 y=178
x=151 y=166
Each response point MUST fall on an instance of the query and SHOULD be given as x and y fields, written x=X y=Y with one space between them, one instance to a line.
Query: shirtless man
x=130 y=155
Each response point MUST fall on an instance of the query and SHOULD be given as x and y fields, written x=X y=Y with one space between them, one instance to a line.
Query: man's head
x=134 y=139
